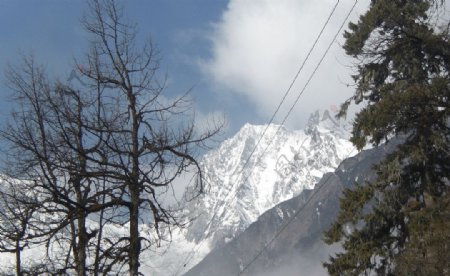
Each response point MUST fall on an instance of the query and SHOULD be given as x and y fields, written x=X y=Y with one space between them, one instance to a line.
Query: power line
x=278 y=233
x=308 y=81
x=297 y=212
x=291 y=85
x=192 y=253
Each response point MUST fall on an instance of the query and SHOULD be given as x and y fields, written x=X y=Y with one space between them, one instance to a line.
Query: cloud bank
x=259 y=45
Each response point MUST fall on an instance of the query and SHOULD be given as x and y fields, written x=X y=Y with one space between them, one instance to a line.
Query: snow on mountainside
x=297 y=223
x=236 y=195
x=294 y=160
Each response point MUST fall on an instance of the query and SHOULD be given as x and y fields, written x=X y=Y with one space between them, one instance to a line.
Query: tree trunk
x=81 y=234
x=99 y=237
x=18 y=261
x=135 y=243
x=135 y=246
x=82 y=244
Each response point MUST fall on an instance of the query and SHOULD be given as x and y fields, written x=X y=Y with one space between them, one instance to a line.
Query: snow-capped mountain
x=298 y=225
x=242 y=184
x=284 y=163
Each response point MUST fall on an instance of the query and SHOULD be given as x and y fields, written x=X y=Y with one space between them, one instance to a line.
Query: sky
x=238 y=56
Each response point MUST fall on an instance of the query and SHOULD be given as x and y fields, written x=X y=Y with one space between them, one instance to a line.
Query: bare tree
x=152 y=146
x=17 y=220
x=103 y=152
x=49 y=148
x=53 y=147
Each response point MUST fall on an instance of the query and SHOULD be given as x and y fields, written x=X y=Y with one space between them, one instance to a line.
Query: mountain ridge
x=294 y=161
x=303 y=220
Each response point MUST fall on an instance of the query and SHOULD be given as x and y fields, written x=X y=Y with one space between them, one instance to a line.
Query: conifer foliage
x=398 y=224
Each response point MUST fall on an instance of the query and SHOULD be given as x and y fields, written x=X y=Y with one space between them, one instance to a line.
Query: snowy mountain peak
x=316 y=118
x=244 y=180
x=327 y=122
x=280 y=167
x=249 y=129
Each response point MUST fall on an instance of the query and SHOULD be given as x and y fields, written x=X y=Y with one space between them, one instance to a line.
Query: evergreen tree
x=403 y=78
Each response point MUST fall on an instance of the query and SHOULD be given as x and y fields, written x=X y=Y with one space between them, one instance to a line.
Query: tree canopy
x=402 y=50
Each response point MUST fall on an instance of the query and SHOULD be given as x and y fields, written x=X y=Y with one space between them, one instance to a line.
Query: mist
x=308 y=263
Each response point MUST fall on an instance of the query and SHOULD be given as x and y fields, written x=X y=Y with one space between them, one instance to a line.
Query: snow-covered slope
x=281 y=167
x=242 y=185
x=298 y=225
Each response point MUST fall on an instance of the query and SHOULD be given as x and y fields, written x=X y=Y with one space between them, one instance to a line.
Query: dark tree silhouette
x=403 y=50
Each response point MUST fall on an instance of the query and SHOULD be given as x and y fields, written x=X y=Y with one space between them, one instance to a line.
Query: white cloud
x=258 y=46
